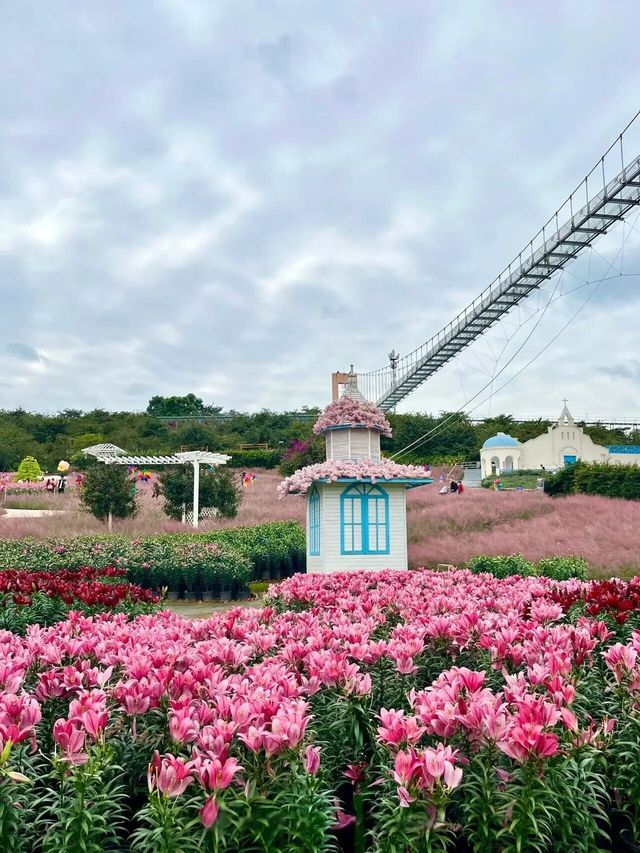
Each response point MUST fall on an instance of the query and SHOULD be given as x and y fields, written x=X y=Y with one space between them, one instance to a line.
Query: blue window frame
x=364 y=520
x=314 y=523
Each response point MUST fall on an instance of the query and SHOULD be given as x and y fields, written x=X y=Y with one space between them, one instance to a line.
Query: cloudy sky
x=237 y=198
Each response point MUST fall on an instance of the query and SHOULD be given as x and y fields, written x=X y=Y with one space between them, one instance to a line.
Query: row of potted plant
x=192 y=564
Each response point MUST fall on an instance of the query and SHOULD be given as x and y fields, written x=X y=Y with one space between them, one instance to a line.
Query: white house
x=563 y=444
x=356 y=508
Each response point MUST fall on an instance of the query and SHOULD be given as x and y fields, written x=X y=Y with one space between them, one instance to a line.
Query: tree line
x=174 y=423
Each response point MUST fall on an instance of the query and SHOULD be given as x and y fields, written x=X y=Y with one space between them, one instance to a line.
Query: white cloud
x=238 y=198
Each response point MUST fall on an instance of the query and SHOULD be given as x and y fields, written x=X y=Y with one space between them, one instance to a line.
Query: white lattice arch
x=112 y=455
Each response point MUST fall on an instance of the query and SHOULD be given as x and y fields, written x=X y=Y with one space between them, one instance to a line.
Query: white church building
x=564 y=443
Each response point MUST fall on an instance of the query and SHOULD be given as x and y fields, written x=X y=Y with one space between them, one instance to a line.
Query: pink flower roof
x=349 y=412
x=361 y=469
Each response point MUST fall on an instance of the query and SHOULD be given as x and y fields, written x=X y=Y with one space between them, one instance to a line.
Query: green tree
x=218 y=489
x=168 y=407
x=29 y=471
x=601 y=434
x=108 y=492
x=15 y=443
x=195 y=435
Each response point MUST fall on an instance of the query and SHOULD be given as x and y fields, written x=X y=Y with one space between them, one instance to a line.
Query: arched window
x=314 y=523
x=364 y=520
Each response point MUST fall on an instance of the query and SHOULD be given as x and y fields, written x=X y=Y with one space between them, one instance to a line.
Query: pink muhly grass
x=259 y=505
x=452 y=528
x=441 y=529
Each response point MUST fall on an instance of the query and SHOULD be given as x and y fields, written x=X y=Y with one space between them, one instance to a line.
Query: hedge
x=189 y=564
x=422 y=459
x=613 y=481
x=254 y=458
x=619 y=481
x=556 y=568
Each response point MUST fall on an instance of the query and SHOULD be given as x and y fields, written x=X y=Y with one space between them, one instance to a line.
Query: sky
x=237 y=198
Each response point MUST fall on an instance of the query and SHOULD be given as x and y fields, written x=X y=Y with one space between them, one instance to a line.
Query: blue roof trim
x=349 y=426
x=624 y=448
x=410 y=482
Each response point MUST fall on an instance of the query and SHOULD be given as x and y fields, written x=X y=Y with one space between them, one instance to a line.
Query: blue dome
x=501 y=440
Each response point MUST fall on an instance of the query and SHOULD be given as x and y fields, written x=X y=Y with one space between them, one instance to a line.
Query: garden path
x=30 y=513
x=204 y=609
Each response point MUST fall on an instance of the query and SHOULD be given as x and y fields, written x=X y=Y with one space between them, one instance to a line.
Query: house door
x=570 y=460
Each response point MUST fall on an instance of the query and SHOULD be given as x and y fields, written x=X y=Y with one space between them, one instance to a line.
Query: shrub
x=108 y=491
x=556 y=568
x=187 y=565
x=275 y=549
x=562 y=482
x=254 y=458
x=613 y=481
x=528 y=479
x=432 y=459
x=29 y=471
x=563 y=568
x=501 y=567
x=300 y=453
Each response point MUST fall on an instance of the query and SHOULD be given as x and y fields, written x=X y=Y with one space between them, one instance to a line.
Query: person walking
x=460 y=488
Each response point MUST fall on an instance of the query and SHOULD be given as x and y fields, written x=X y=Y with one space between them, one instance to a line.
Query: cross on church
x=565 y=401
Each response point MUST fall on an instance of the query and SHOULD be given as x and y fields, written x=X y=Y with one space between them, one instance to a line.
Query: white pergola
x=112 y=455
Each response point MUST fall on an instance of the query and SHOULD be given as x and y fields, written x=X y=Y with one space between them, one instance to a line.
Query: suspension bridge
x=605 y=197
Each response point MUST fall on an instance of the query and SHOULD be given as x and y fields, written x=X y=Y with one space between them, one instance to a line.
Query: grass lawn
x=515 y=480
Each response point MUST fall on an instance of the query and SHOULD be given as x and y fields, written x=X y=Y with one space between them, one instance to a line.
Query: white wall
x=623 y=458
x=563 y=440
x=352 y=444
x=499 y=455
x=550 y=448
x=330 y=558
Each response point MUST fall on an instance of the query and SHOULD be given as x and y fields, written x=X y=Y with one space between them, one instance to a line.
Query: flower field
x=45 y=597
x=416 y=711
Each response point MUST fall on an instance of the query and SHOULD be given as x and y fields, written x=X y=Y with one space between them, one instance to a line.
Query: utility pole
x=394 y=359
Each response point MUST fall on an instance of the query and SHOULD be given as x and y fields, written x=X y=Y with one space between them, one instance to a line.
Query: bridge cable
x=490 y=382
x=439 y=427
